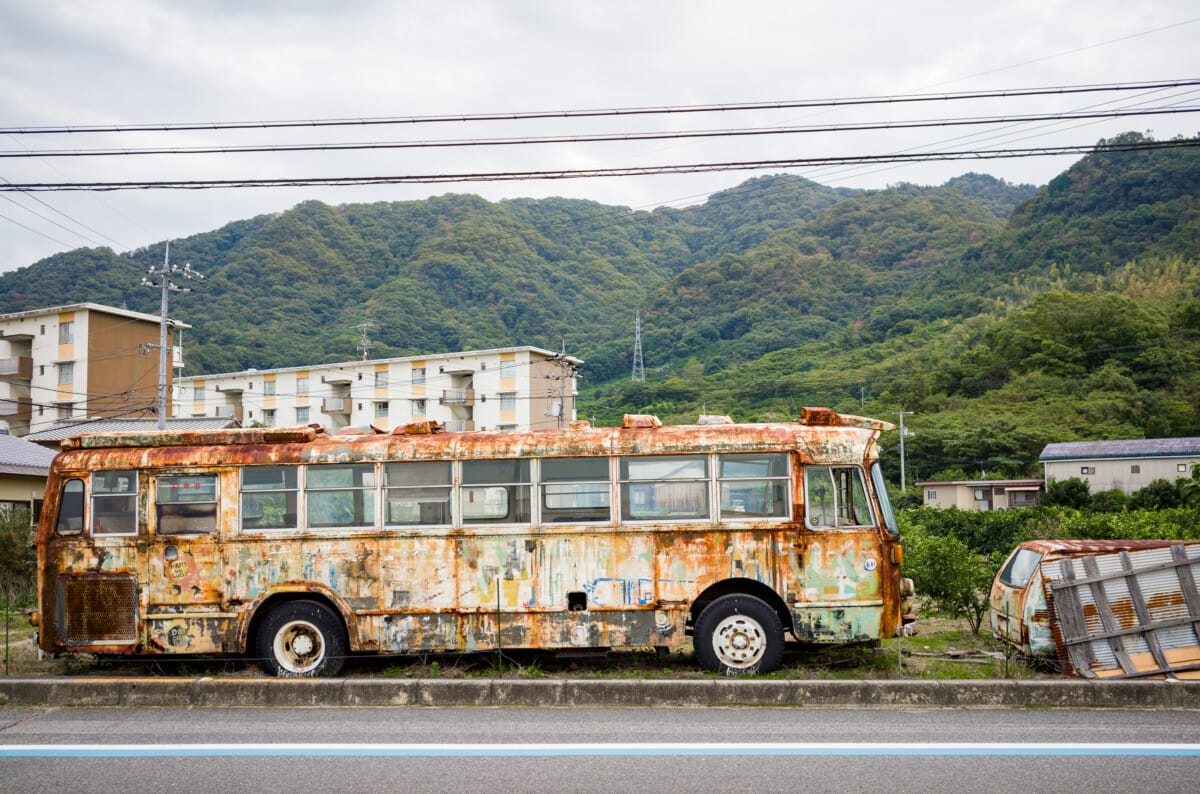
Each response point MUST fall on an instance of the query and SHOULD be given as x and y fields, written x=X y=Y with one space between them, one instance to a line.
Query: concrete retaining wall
x=211 y=692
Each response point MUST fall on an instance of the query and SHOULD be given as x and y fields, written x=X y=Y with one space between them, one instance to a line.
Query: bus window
x=575 y=490
x=836 y=496
x=754 y=486
x=666 y=488
x=186 y=505
x=269 y=497
x=885 y=504
x=114 y=502
x=417 y=493
x=70 y=508
x=340 y=495
x=495 y=492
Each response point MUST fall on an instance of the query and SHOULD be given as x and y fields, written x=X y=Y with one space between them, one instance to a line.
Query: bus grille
x=99 y=609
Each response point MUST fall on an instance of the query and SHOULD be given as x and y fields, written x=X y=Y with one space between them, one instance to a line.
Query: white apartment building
x=511 y=388
x=77 y=361
x=1126 y=465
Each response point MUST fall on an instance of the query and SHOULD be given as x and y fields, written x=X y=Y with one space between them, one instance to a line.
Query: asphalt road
x=606 y=750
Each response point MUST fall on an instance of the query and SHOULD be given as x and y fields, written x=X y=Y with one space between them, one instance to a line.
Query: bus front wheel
x=739 y=635
x=301 y=638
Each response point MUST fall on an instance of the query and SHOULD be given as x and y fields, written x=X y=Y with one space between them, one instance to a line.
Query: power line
x=622 y=137
x=596 y=112
x=569 y=173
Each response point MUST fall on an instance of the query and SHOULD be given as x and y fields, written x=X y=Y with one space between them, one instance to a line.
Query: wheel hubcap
x=739 y=642
x=299 y=647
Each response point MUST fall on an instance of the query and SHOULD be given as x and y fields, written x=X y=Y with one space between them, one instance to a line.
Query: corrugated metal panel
x=1127 y=613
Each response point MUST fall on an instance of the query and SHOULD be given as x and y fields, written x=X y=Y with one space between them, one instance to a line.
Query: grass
x=942 y=650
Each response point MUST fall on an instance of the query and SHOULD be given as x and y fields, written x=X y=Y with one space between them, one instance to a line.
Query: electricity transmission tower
x=639 y=366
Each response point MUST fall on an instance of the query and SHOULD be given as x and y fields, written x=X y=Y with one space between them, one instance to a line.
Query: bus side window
x=575 y=490
x=496 y=492
x=835 y=496
x=114 y=502
x=664 y=488
x=186 y=505
x=70 y=508
x=417 y=493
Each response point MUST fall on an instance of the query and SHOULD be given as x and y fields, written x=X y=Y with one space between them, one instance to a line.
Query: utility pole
x=166 y=285
x=639 y=366
x=559 y=393
x=903 y=433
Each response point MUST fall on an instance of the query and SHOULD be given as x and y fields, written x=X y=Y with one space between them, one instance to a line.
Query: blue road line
x=931 y=749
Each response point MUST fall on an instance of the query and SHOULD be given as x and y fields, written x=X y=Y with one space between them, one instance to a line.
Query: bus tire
x=739 y=635
x=299 y=639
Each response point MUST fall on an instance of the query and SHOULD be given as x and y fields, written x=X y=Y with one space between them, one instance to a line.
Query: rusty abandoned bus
x=298 y=548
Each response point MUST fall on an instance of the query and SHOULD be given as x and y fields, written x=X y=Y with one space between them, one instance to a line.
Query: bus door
x=839 y=560
x=183 y=564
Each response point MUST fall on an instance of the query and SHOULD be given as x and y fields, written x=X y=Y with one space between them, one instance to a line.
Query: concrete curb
x=217 y=692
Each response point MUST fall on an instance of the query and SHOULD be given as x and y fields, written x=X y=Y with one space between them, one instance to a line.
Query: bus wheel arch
x=738 y=628
x=298 y=634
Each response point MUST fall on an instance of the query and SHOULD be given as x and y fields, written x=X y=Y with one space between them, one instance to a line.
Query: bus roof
x=820 y=435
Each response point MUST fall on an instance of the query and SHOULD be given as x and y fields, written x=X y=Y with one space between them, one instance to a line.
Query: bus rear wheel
x=739 y=635
x=301 y=638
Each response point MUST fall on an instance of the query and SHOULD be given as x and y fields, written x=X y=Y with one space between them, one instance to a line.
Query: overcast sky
x=154 y=61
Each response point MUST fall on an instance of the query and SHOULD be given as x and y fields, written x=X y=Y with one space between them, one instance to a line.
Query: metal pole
x=902 y=434
x=162 y=343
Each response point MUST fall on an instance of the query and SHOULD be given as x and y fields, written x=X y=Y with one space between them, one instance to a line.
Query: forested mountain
x=1004 y=316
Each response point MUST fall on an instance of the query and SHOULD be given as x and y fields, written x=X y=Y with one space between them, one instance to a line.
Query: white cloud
x=131 y=61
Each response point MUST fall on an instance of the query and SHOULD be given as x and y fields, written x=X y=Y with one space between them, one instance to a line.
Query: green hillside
x=1001 y=315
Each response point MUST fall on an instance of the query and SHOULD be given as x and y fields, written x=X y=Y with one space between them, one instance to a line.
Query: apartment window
x=664 y=488
x=417 y=493
x=269 y=497
x=198 y=394
x=1087 y=469
x=418 y=375
x=1135 y=469
x=381 y=379
x=301 y=385
x=502 y=427
x=496 y=492
x=418 y=407
x=268 y=417
x=64 y=410
x=508 y=368
x=66 y=332
x=268 y=387
x=508 y=401
x=754 y=486
x=1181 y=468
x=381 y=410
x=931 y=496
x=66 y=373
x=302 y=415
x=340 y=495
x=186 y=505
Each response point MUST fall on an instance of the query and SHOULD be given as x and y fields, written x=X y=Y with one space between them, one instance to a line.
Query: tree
x=1189 y=490
x=956 y=579
x=1071 y=492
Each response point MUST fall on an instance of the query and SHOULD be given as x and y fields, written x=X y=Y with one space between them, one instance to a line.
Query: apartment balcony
x=338 y=378
x=459 y=426
x=19 y=408
x=457 y=397
x=336 y=405
x=19 y=367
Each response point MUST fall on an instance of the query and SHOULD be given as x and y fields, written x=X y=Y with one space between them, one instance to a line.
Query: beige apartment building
x=78 y=361
x=511 y=388
x=982 y=494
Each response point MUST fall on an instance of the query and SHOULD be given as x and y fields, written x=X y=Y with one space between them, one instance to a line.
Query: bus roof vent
x=580 y=424
x=640 y=420
x=426 y=428
x=714 y=419
x=819 y=417
x=360 y=430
